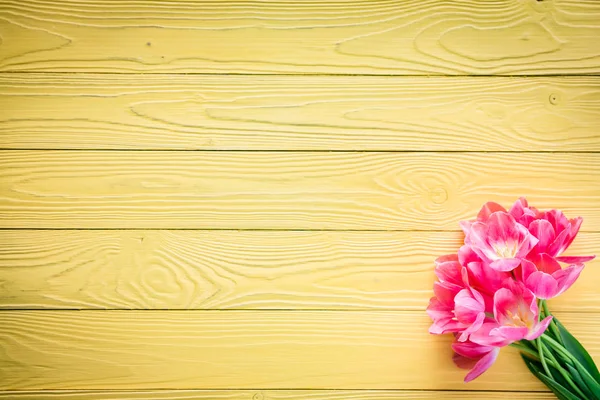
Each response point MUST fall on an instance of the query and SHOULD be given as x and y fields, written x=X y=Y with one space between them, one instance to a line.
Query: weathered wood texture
x=264 y=190
x=239 y=270
x=270 y=395
x=60 y=111
x=375 y=37
x=245 y=350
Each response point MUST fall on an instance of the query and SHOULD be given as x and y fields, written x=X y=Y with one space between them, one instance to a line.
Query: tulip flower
x=500 y=241
x=473 y=356
x=517 y=314
x=544 y=276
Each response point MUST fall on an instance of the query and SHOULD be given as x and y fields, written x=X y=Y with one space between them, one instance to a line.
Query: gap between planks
x=266 y=394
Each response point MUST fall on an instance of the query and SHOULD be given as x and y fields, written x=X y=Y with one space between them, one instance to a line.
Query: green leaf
x=580 y=383
x=560 y=391
x=576 y=349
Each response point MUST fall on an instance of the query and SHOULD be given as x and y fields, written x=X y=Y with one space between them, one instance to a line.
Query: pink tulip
x=500 y=242
x=456 y=307
x=544 y=276
x=441 y=309
x=553 y=230
x=523 y=213
x=517 y=314
x=449 y=270
x=520 y=211
x=477 y=358
x=469 y=309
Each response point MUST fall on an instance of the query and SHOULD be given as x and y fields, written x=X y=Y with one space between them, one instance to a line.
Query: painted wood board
x=459 y=37
x=285 y=190
x=247 y=350
x=196 y=112
x=139 y=269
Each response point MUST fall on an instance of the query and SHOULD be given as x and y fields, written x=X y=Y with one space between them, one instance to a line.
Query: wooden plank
x=269 y=395
x=456 y=37
x=245 y=350
x=53 y=111
x=284 y=190
x=239 y=270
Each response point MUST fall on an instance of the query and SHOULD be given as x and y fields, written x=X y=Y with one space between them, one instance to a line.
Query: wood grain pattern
x=264 y=190
x=269 y=395
x=245 y=350
x=375 y=37
x=57 y=111
x=239 y=270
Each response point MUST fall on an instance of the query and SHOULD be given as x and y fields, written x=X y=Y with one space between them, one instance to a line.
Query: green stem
x=540 y=346
x=526 y=350
x=563 y=372
x=558 y=347
x=533 y=354
x=553 y=326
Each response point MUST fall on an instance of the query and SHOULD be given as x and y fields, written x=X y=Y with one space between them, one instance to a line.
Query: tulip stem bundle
x=493 y=293
x=560 y=362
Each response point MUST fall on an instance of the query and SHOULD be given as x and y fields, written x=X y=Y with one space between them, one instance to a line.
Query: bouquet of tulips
x=493 y=293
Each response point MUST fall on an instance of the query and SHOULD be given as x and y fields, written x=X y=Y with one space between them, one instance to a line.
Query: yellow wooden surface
x=268 y=395
x=247 y=349
x=122 y=111
x=329 y=36
x=196 y=204
x=284 y=190
x=140 y=269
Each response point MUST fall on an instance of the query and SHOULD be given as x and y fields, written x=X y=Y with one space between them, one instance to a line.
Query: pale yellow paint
x=242 y=303
x=285 y=190
x=140 y=269
x=456 y=37
x=298 y=112
x=247 y=349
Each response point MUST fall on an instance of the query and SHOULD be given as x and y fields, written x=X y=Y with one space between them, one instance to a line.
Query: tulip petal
x=543 y=285
x=539 y=329
x=505 y=264
x=558 y=245
x=466 y=227
x=575 y=224
x=518 y=207
x=527 y=268
x=510 y=333
x=466 y=255
x=445 y=292
x=463 y=362
x=482 y=336
x=567 y=277
x=575 y=259
x=470 y=349
x=544 y=232
x=449 y=272
x=483 y=365
x=446 y=258
x=488 y=209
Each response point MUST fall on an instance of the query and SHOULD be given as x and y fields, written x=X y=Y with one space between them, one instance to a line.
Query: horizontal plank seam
x=158 y=150
x=267 y=389
x=307 y=74
x=245 y=310
x=242 y=230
